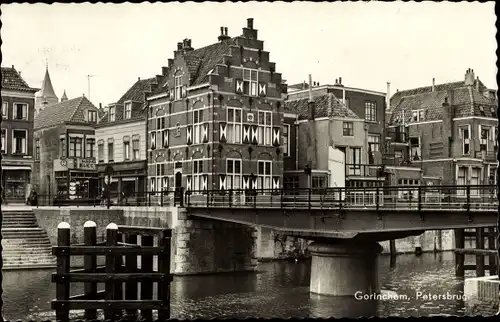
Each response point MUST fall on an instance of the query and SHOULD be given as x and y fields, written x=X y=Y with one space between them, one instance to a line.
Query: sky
x=367 y=44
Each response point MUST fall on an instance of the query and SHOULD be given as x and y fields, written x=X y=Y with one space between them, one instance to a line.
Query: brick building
x=121 y=140
x=215 y=122
x=344 y=118
x=448 y=130
x=18 y=111
x=65 y=148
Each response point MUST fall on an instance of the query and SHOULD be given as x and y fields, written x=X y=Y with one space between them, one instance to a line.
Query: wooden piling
x=459 y=258
x=164 y=268
x=111 y=240
x=90 y=266
x=492 y=259
x=131 y=286
x=479 y=258
x=392 y=247
x=63 y=264
x=147 y=286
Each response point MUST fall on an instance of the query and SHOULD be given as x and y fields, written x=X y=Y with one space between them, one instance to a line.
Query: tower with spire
x=46 y=96
x=64 y=97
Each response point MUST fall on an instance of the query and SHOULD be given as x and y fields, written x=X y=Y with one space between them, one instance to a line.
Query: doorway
x=178 y=187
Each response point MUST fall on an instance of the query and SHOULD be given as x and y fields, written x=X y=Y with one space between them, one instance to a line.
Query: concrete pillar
x=343 y=268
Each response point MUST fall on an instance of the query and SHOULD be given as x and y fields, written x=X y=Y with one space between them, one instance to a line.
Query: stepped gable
x=67 y=111
x=327 y=105
x=200 y=62
x=12 y=80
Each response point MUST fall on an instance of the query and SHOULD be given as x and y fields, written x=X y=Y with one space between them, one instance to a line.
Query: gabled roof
x=327 y=105
x=201 y=61
x=466 y=101
x=47 y=88
x=68 y=111
x=12 y=80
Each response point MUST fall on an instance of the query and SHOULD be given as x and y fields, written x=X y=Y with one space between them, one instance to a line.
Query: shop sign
x=85 y=164
x=63 y=164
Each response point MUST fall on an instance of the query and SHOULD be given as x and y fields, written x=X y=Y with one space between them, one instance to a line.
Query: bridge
x=346 y=224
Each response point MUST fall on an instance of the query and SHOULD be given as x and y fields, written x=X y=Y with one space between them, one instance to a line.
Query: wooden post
x=90 y=265
x=63 y=260
x=147 y=287
x=459 y=258
x=118 y=269
x=492 y=259
x=164 y=267
x=479 y=258
x=111 y=240
x=392 y=247
x=131 y=287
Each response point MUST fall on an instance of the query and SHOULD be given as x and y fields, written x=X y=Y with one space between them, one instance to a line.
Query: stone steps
x=25 y=244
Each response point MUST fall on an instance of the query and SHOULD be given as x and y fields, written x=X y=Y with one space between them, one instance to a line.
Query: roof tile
x=12 y=80
x=68 y=111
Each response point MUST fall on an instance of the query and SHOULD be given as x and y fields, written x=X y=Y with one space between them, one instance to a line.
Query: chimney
x=340 y=80
x=223 y=34
x=225 y=31
x=388 y=97
x=250 y=23
x=138 y=78
x=249 y=32
x=100 y=105
x=336 y=81
x=179 y=46
x=469 y=77
x=170 y=63
x=477 y=82
x=433 y=84
x=164 y=70
x=317 y=83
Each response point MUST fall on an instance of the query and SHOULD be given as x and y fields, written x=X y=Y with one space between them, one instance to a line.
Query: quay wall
x=481 y=295
x=429 y=241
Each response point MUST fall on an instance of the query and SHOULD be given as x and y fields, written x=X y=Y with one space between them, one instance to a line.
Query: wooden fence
x=121 y=273
x=479 y=235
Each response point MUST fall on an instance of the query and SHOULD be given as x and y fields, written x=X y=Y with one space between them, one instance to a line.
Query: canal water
x=279 y=289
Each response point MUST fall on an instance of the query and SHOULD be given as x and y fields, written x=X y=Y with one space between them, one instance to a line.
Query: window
x=89 y=148
x=112 y=114
x=348 y=128
x=250 y=82
x=464 y=132
x=233 y=125
x=374 y=142
x=20 y=141
x=347 y=103
x=100 y=152
x=128 y=110
x=463 y=180
x=233 y=172
x=126 y=150
x=485 y=136
x=63 y=147
x=474 y=180
x=75 y=147
x=291 y=184
x=178 y=88
x=20 y=111
x=111 y=152
x=37 y=149
x=5 y=110
x=153 y=140
x=197 y=126
x=135 y=147
x=161 y=134
x=418 y=115
x=92 y=116
x=370 y=111
x=4 y=134
x=197 y=175
x=286 y=140
x=264 y=175
x=415 y=149
x=265 y=128
x=318 y=182
x=355 y=161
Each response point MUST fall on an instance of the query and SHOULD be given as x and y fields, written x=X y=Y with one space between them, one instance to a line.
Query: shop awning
x=16 y=167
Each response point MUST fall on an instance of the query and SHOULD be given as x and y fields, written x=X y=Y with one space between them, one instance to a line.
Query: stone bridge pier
x=342 y=267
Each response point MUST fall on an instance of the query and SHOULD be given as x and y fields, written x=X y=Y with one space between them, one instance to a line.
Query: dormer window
x=178 y=87
x=91 y=116
x=418 y=116
x=128 y=110
x=112 y=114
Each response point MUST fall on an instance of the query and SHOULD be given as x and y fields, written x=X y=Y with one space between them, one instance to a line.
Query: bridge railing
x=397 y=197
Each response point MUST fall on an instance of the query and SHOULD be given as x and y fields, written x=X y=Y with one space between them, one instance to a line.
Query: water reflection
x=278 y=289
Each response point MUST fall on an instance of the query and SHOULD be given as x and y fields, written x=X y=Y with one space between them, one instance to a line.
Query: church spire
x=64 y=97
x=47 y=89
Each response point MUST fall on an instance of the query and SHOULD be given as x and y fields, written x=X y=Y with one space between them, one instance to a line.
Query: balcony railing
x=363 y=170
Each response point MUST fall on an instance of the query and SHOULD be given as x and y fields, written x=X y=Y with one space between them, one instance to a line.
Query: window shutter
x=276 y=182
x=205 y=133
x=245 y=182
x=188 y=183
x=222 y=182
x=184 y=91
x=276 y=136
x=189 y=133
x=165 y=138
x=222 y=132
x=204 y=181
x=262 y=89
x=479 y=133
x=239 y=86
x=254 y=134
x=254 y=183
x=246 y=134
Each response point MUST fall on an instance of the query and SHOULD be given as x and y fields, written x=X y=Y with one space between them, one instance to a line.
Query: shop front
x=127 y=183
x=16 y=182
x=76 y=178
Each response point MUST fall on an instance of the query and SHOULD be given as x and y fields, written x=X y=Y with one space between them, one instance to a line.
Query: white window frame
x=112 y=143
x=197 y=126
x=89 y=147
x=127 y=114
x=475 y=180
x=232 y=177
x=250 y=85
x=100 y=153
x=4 y=140
x=136 y=146
x=374 y=139
x=112 y=114
x=418 y=148
x=177 y=87
x=371 y=111
x=126 y=150
x=264 y=180
x=5 y=110
x=354 y=161
x=234 y=128
x=197 y=175
x=488 y=136
x=265 y=131
x=75 y=152
x=465 y=141
x=24 y=147
x=418 y=115
x=351 y=128
x=286 y=140
x=24 y=111
x=91 y=116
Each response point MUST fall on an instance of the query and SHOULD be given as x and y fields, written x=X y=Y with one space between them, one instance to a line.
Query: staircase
x=25 y=245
